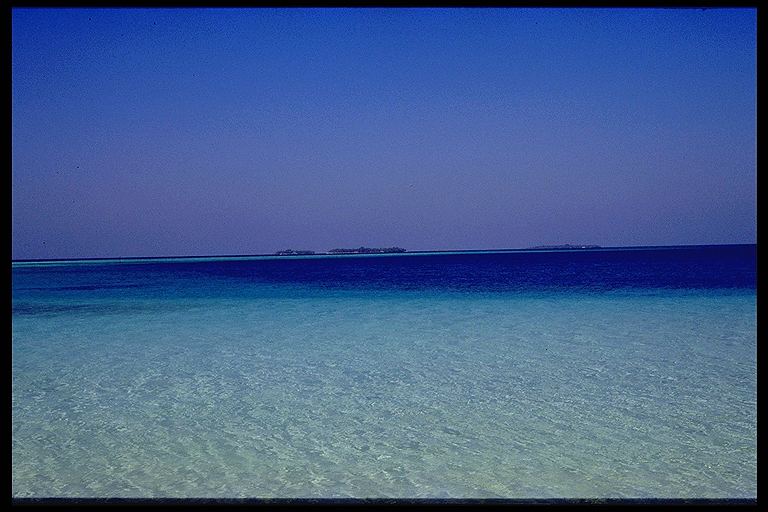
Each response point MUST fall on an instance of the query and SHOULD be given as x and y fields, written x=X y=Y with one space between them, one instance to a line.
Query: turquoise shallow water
x=268 y=389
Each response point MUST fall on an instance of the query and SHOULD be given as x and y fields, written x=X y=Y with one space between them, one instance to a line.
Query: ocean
x=606 y=373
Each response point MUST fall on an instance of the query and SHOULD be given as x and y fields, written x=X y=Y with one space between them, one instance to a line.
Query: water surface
x=614 y=373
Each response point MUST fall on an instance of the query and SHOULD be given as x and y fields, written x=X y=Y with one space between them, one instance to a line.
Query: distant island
x=291 y=252
x=359 y=250
x=395 y=250
x=367 y=250
x=565 y=246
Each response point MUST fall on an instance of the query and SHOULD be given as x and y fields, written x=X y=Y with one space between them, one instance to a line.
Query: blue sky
x=157 y=132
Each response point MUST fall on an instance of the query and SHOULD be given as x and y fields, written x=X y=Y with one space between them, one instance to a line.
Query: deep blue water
x=696 y=267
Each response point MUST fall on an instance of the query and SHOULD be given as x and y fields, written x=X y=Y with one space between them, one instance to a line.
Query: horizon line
x=326 y=253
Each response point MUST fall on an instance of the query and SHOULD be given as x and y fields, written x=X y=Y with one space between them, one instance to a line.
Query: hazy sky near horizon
x=150 y=132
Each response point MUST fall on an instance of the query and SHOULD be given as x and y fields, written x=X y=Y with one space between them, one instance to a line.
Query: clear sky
x=157 y=132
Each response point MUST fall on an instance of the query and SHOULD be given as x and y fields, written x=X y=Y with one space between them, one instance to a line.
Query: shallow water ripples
x=392 y=395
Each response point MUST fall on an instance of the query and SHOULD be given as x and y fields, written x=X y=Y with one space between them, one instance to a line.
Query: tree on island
x=291 y=252
x=367 y=250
